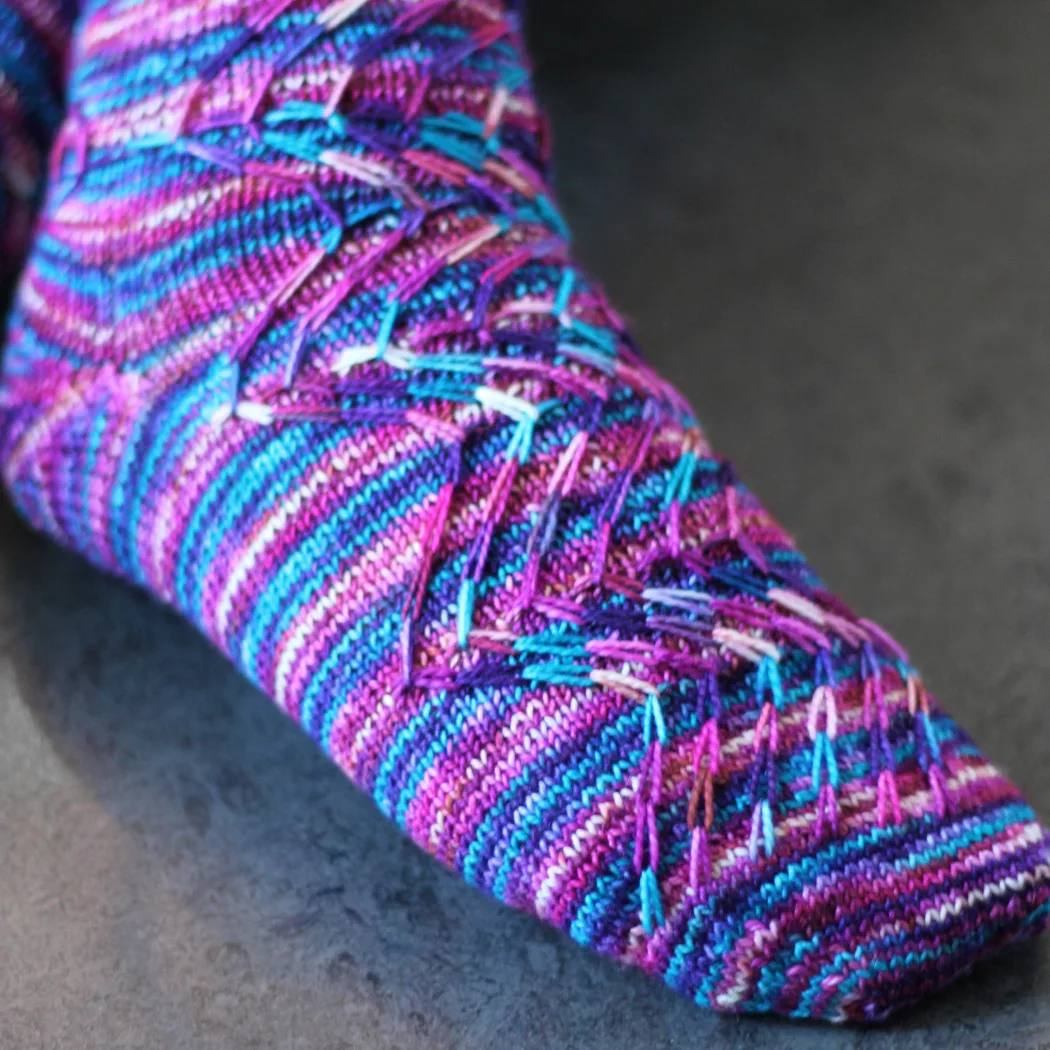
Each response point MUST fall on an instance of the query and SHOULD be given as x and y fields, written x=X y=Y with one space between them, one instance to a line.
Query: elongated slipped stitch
x=304 y=350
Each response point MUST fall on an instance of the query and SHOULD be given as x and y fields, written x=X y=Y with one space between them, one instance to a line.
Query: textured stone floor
x=831 y=223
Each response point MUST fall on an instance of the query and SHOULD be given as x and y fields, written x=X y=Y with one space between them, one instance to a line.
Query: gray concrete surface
x=831 y=222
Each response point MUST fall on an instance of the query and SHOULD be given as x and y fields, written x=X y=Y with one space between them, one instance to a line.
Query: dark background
x=831 y=224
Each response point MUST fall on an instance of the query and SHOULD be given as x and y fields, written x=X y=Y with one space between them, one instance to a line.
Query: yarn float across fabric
x=302 y=349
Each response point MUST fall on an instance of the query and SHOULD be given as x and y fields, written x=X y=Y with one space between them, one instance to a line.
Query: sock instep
x=302 y=349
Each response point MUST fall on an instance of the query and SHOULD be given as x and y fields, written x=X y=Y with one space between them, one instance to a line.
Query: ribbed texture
x=302 y=350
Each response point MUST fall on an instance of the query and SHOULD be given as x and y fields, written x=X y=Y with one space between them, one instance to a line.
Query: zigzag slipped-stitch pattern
x=303 y=350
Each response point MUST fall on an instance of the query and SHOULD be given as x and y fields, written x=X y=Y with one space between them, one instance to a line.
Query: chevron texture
x=303 y=350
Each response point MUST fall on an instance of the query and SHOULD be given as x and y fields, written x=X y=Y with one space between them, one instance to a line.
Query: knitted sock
x=302 y=349
x=34 y=36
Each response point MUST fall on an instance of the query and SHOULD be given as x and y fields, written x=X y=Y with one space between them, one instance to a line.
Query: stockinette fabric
x=302 y=349
x=34 y=37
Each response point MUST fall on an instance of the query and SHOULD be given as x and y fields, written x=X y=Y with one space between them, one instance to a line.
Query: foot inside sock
x=302 y=349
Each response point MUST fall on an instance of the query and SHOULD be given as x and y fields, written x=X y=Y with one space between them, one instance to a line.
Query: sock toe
x=858 y=925
x=303 y=350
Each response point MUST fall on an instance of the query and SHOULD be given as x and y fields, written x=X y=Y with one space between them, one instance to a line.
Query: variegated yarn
x=302 y=349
